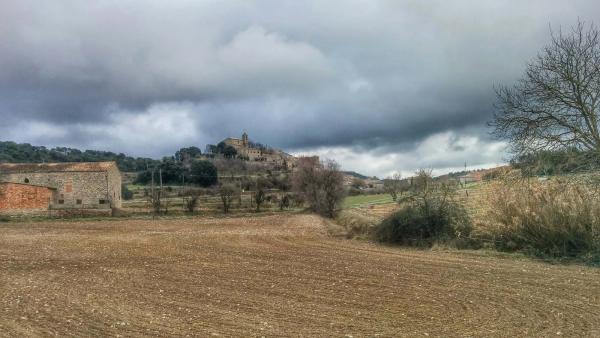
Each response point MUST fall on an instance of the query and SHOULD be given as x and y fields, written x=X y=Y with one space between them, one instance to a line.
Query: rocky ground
x=280 y=275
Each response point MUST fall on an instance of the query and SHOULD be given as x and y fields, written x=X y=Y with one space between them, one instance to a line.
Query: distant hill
x=355 y=174
x=26 y=153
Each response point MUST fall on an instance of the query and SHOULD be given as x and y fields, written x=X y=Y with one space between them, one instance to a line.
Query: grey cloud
x=370 y=76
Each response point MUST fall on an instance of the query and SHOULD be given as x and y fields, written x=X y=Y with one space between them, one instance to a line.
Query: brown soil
x=279 y=275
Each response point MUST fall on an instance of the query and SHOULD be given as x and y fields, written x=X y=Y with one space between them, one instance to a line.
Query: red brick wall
x=15 y=196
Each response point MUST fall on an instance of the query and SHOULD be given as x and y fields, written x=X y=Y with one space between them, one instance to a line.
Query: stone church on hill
x=247 y=150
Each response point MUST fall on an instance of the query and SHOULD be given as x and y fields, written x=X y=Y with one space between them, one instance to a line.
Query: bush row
x=558 y=218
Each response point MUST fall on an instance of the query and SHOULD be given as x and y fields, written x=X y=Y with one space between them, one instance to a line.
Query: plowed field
x=273 y=276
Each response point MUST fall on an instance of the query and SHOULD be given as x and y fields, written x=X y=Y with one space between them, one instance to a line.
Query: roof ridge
x=58 y=167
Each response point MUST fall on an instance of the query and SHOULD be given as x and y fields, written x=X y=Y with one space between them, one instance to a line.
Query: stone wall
x=24 y=198
x=114 y=187
x=76 y=189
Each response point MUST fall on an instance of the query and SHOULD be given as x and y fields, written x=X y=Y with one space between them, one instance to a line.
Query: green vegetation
x=430 y=215
x=186 y=154
x=126 y=193
x=364 y=200
x=203 y=173
x=556 y=162
x=26 y=153
x=355 y=175
x=425 y=223
x=226 y=150
x=172 y=171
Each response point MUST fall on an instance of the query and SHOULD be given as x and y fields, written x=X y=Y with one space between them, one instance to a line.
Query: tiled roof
x=27 y=184
x=55 y=167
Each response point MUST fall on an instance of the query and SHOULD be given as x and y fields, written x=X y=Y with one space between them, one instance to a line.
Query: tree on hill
x=172 y=172
x=226 y=150
x=24 y=152
x=203 y=173
x=556 y=104
x=556 y=162
x=187 y=154
x=229 y=152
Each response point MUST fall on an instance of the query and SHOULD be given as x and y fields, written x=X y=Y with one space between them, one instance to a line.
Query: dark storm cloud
x=369 y=77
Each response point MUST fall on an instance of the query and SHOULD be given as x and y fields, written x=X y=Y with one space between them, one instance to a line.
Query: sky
x=380 y=86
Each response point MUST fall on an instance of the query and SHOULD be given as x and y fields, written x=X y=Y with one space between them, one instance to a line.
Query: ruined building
x=37 y=187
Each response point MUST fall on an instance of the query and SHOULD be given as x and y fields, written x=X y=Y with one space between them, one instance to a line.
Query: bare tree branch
x=556 y=103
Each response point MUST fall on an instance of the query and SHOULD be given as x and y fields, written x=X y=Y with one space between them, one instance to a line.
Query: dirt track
x=273 y=276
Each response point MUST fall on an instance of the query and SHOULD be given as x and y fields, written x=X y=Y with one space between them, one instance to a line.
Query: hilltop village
x=257 y=152
x=67 y=182
x=96 y=183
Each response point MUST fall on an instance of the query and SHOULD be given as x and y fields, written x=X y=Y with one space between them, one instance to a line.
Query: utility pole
x=152 y=196
x=183 y=191
x=161 y=188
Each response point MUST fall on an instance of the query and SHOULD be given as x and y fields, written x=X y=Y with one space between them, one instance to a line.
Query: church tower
x=245 y=139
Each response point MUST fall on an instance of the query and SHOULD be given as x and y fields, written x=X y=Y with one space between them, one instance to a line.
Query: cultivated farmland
x=275 y=275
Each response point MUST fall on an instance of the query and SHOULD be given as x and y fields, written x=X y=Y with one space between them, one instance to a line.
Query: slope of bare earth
x=273 y=276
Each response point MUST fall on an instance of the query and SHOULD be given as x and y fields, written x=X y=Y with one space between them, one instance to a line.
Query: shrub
x=4 y=218
x=430 y=215
x=426 y=222
x=556 y=218
x=126 y=193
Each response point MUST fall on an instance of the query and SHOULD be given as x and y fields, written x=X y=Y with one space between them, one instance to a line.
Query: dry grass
x=357 y=223
x=279 y=275
x=559 y=217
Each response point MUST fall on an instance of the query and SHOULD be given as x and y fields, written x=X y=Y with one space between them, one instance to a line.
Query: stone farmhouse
x=247 y=150
x=28 y=188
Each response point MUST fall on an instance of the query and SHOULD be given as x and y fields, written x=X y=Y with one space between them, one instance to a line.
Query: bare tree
x=305 y=181
x=284 y=202
x=228 y=193
x=259 y=197
x=190 y=200
x=332 y=182
x=321 y=185
x=393 y=185
x=555 y=105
